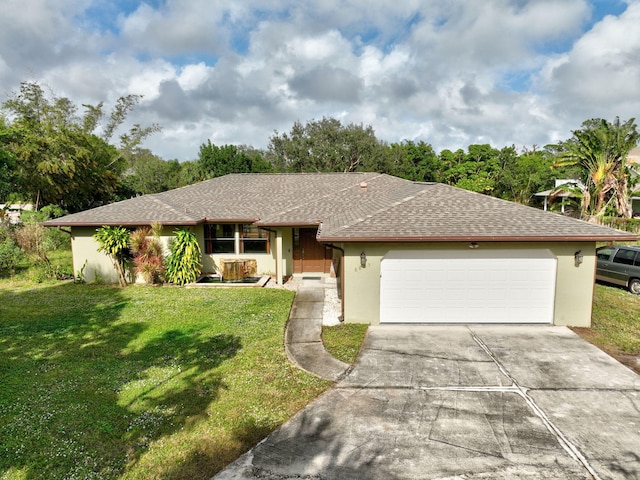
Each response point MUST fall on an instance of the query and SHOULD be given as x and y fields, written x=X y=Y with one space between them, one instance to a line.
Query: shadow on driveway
x=438 y=402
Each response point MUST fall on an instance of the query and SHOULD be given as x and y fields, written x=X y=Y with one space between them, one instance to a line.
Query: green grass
x=615 y=323
x=343 y=341
x=141 y=382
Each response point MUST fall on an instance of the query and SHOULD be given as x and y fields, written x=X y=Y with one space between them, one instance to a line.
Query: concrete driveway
x=458 y=402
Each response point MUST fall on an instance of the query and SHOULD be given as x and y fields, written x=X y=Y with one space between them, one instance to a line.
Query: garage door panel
x=468 y=287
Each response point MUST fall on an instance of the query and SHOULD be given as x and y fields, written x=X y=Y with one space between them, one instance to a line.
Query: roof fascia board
x=53 y=223
x=541 y=238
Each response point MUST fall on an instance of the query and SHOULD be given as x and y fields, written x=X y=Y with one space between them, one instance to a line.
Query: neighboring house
x=558 y=192
x=633 y=161
x=12 y=211
x=404 y=251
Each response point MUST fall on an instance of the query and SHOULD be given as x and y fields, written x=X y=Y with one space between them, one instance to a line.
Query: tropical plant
x=147 y=252
x=600 y=149
x=114 y=241
x=183 y=263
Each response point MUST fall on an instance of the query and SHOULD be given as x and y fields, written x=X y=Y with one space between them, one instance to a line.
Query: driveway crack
x=564 y=442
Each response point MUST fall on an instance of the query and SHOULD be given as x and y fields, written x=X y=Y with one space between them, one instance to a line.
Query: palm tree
x=600 y=148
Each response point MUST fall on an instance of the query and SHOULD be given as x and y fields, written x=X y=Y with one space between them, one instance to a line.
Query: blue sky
x=504 y=72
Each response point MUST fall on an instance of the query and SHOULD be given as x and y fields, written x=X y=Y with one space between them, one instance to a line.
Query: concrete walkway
x=303 y=335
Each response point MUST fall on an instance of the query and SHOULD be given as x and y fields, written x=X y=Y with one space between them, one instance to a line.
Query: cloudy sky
x=451 y=73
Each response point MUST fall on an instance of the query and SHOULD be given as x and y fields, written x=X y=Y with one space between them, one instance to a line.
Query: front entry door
x=308 y=254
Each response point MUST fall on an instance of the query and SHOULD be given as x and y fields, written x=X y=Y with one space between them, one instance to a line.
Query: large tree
x=327 y=146
x=8 y=176
x=476 y=170
x=521 y=176
x=147 y=173
x=64 y=158
x=414 y=161
x=215 y=161
x=600 y=150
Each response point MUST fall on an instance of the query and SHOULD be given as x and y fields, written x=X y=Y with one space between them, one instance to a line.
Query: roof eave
x=476 y=238
x=53 y=223
x=288 y=224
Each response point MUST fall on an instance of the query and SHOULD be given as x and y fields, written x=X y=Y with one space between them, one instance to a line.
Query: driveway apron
x=463 y=402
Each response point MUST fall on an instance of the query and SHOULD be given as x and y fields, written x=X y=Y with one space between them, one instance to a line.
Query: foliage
x=343 y=341
x=183 y=263
x=147 y=252
x=327 y=146
x=8 y=161
x=414 y=161
x=10 y=254
x=141 y=383
x=58 y=156
x=35 y=239
x=627 y=224
x=215 y=161
x=146 y=173
x=600 y=149
x=477 y=170
x=523 y=175
x=114 y=241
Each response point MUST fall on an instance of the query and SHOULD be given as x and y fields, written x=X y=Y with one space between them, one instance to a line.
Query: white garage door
x=474 y=286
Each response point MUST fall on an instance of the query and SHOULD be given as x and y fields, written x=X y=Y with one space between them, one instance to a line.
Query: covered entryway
x=308 y=254
x=475 y=286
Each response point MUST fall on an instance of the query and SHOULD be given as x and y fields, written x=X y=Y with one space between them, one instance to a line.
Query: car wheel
x=634 y=286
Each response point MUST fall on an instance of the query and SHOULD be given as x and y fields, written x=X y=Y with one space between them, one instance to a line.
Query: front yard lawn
x=141 y=382
x=615 y=324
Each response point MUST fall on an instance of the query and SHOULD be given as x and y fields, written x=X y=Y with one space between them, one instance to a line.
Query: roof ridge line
x=175 y=208
x=328 y=195
x=380 y=210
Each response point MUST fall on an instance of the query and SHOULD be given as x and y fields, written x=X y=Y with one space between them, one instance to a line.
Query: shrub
x=147 y=252
x=114 y=241
x=183 y=264
x=10 y=255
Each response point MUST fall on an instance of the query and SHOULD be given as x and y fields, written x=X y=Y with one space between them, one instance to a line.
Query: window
x=604 y=253
x=624 y=256
x=219 y=238
x=254 y=240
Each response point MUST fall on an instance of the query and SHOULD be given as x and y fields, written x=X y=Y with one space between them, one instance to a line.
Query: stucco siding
x=98 y=265
x=574 y=285
x=85 y=249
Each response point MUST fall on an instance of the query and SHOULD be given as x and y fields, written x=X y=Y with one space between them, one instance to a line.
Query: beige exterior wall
x=574 y=285
x=85 y=249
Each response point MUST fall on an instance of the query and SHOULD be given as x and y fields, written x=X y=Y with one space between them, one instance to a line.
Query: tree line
x=51 y=154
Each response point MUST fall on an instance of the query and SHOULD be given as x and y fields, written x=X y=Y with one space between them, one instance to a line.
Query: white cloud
x=600 y=75
x=448 y=73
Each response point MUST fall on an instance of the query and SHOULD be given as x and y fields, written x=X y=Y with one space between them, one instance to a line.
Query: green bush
x=10 y=255
x=627 y=224
x=114 y=241
x=183 y=264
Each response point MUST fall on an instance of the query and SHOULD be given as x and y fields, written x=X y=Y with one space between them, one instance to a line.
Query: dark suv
x=620 y=265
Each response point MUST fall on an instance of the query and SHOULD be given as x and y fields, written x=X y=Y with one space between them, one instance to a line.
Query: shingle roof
x=347 y=207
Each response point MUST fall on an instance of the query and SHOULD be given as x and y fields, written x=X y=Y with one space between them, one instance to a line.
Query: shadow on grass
x=76 y=401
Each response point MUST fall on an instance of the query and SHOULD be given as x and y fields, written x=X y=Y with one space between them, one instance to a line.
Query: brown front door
x=308 y=254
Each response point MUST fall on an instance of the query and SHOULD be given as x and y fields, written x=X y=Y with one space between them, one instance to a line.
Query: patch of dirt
x=629 y=360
